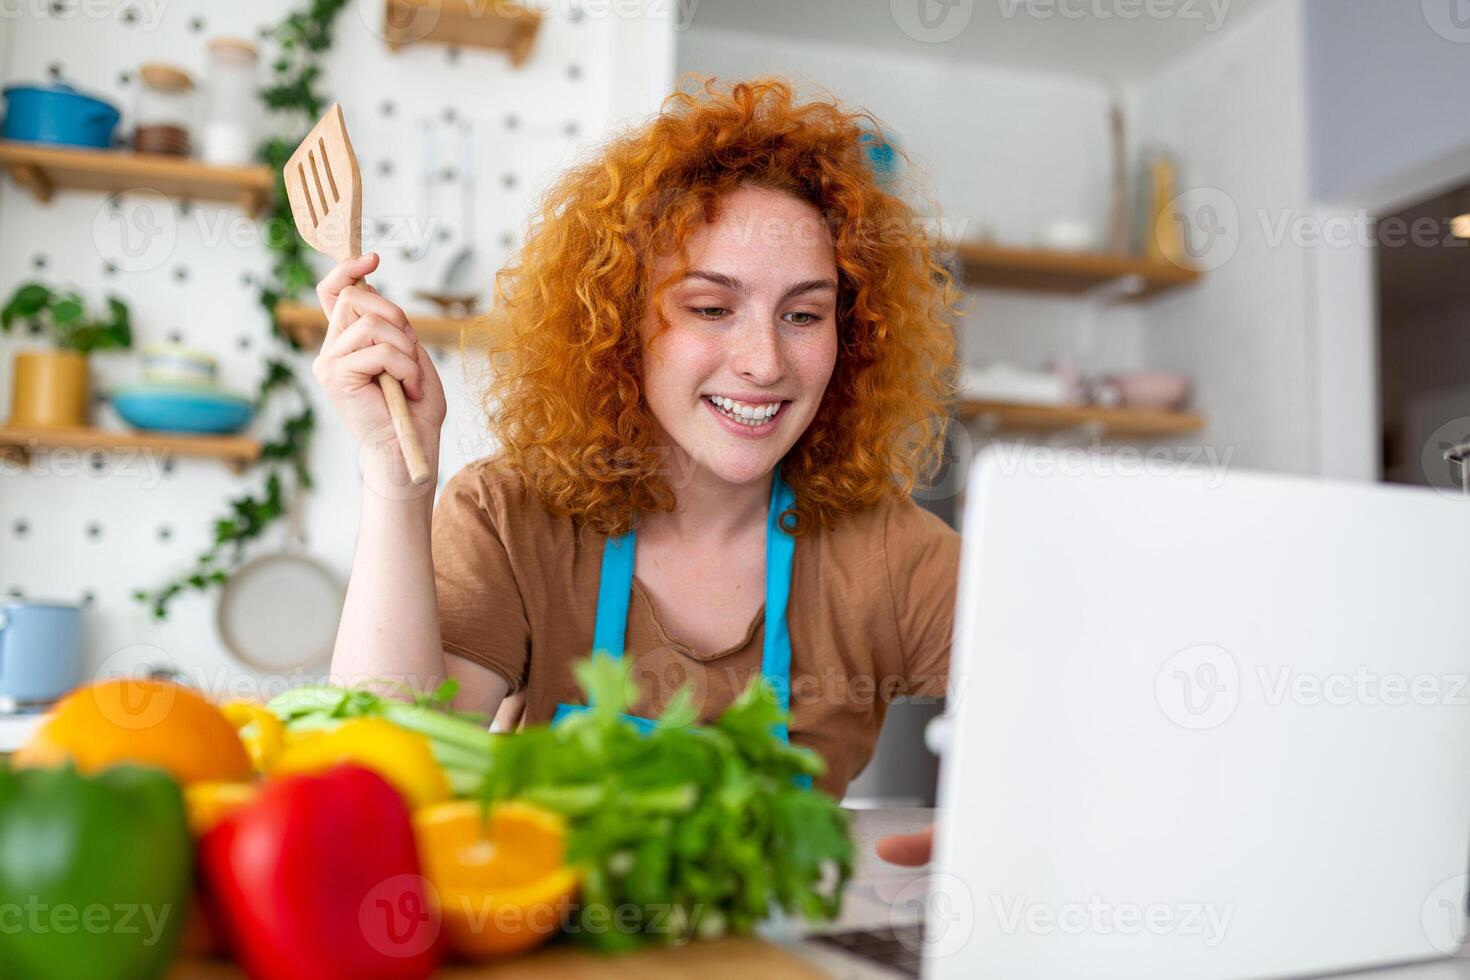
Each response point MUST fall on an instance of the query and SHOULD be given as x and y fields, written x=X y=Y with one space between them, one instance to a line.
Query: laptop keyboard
x=896 y=948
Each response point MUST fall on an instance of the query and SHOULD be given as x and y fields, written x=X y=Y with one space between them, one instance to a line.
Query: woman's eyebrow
x=730 y=282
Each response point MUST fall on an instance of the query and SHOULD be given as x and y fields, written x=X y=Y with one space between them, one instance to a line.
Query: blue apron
x=615 y=592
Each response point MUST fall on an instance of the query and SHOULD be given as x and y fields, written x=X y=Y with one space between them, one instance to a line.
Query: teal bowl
x=182 y=408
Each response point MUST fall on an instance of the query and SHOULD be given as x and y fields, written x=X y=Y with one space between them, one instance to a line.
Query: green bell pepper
x=95 y=873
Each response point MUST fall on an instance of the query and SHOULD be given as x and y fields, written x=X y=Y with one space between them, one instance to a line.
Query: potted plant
x=49 y=388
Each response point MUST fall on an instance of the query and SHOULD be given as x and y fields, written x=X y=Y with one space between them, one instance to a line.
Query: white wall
x=1233 y=109
x=585 y=73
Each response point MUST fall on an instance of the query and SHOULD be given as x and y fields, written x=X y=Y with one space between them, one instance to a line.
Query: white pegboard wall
x=73 y=532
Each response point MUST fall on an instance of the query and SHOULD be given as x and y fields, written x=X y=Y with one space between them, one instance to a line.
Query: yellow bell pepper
x=404 y=758
x=260 y=730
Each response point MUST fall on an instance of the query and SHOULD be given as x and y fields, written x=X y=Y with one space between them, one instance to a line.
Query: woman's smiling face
x=752 y=339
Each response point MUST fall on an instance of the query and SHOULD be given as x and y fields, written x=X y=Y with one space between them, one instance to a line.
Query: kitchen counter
x=722 y=959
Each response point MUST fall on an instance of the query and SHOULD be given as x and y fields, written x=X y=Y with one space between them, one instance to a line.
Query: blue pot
x=40 y=652
x=181 y=408
x=58 y=114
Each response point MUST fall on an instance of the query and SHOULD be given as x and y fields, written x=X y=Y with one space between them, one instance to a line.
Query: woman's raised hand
x=366 y=336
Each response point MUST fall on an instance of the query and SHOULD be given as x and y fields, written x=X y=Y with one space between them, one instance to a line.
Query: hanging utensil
x=457 y=272
x=324 y=186
x=427 y=164
x=279 y=612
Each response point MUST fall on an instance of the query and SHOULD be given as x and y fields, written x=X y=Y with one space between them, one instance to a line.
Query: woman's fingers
x=362 y=300
x=363 y=366
x=343 y=274
x=365 y=331
x=907 y=849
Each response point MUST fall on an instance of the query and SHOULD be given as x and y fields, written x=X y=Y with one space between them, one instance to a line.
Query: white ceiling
x=1108 y=38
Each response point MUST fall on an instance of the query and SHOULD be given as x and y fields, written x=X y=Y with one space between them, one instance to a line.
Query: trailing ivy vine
x=303 y=39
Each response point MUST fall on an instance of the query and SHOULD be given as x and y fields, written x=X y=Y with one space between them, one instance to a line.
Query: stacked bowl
x=179 y=393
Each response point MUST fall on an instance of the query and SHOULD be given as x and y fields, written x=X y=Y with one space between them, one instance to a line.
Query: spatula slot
x=306 y=194
x=327 y=166
x=311 y=158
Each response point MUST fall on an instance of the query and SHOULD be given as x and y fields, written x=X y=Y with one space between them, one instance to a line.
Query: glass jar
x=165 y=110
x=233 y=107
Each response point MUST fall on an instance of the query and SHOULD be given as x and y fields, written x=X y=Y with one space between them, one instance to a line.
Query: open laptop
x=1201 y=724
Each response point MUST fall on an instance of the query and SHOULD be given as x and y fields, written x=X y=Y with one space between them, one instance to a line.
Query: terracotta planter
x=49 y=390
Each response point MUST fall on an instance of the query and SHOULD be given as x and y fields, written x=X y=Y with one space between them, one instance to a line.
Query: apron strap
x=780 y=557
x=614 y=593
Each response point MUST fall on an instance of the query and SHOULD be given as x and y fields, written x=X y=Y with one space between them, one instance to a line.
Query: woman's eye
x=810 y=318
x=702 y=310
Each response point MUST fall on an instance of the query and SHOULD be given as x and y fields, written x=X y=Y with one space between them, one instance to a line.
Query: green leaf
x=67 y=311
x=25 y=303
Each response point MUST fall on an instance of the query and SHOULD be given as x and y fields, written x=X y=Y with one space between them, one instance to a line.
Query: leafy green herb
x=63 y=314
x=685 y=831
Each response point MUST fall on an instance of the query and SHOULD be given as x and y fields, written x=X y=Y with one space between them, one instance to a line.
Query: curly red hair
x=566 y=400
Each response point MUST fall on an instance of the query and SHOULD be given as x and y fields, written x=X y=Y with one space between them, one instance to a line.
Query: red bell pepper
x=319 y=878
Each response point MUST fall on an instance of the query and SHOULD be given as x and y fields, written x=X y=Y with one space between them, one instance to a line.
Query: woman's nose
x=757 y=355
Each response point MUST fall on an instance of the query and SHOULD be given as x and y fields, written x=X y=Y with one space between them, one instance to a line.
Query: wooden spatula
x=324 y=186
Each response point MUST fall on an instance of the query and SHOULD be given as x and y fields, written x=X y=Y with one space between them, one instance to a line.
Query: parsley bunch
x=686 y=830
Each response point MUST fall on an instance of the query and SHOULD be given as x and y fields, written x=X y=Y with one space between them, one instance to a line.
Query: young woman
x=719 y=366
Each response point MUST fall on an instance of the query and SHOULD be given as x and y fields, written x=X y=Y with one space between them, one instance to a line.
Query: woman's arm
x=389 y=630
x=390 y=621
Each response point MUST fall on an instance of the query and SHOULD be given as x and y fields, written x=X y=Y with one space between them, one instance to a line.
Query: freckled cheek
x=814 y=362
x=679 y=363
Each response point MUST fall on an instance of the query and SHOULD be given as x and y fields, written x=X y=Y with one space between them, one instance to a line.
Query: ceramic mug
x=40 y=653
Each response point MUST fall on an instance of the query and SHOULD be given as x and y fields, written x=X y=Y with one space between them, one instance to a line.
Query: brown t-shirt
x=871 y=613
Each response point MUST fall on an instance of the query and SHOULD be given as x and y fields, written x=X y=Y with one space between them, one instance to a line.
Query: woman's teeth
x=751 y=415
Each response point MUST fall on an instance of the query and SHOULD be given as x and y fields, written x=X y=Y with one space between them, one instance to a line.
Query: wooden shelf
x=500 y=26
x=308 y=325
x=234 y=451
x=1108 y=421
x=1038 y=270
x=42 y=169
